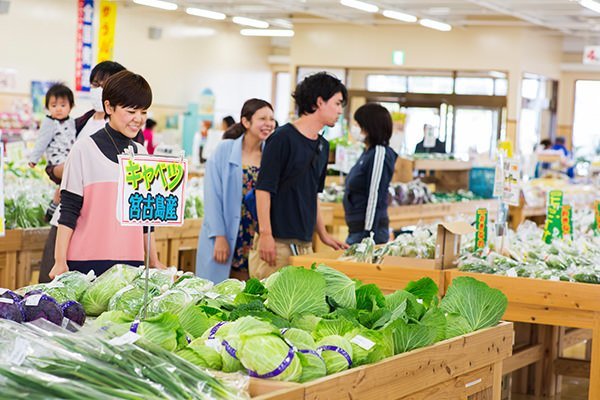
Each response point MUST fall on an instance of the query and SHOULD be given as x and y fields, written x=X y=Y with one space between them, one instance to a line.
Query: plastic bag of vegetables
x=96 y=298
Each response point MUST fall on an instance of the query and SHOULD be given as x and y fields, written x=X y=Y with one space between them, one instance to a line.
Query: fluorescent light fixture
x=591 y=4
x=198 y=12
x=165 y=5
x=400 y=16
x=268 y=32
x=440 y=26
x=497 y=74
x=360 y=5
x=255 y=23
x=283 y=23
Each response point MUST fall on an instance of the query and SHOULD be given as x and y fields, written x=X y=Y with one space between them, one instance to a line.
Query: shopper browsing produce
x=149 y=135
x=365 y=195
x=89 y=236
x=293 y=171
x=231 y=173
x=87 y=124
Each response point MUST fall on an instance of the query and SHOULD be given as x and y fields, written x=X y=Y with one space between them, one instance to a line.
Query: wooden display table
x=177 y=245
x=555 y=303
x=401 y=216
x=468 y=366
x=450 y=175
x=20 y=252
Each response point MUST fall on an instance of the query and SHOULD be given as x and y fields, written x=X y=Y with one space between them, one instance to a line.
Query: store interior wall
x=39 y=40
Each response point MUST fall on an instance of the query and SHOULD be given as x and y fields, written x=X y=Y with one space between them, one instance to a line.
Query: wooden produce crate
x=450 y=175
x=20 y=254
x=550 y=303
x=177 y=245
x=465 y=367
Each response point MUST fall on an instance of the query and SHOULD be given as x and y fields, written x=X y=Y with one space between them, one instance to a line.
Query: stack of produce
x=527 y=255
x=297 y=325
x=194 y=193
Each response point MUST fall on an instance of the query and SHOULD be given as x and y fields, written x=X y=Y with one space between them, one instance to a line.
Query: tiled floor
x=572 y=389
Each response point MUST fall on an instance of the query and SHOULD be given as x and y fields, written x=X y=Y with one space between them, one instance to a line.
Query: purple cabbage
x=33 y=293
x=74 y=311
x=41 y=306
x=9 y=294
x=9 y=309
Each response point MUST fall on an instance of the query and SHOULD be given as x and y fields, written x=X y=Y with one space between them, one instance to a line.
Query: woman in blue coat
x=231 y=172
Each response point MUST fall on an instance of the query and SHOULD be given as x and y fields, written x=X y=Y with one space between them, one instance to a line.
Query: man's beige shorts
x=260 y=269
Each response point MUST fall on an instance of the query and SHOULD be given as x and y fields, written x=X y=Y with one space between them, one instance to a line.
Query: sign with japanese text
x=83 y=52
x=481 y=223
x=2 y=225
x=596 y=217
x=566 y=221
x=553 y=227
x=106 y=30
x=151 y=190
x=507 y=180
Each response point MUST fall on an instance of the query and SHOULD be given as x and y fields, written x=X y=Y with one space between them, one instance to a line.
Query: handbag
x=249 y=199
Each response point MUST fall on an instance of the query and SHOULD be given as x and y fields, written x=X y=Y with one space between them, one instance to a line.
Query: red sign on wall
x=83 y=52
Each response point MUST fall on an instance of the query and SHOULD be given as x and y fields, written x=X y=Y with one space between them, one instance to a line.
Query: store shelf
x=20 y=251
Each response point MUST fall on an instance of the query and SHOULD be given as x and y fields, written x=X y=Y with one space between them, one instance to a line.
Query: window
x=430 y=84
x=386 y=83
x=482 y=86
x=282 y=97
x=586 y=135
x=500 y=87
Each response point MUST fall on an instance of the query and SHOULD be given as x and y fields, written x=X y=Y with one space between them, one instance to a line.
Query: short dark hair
x=60 y=91
x=229 y=121
x=150 y=123
x=560 y=140
x=546 y=142
x=127 y=89
x=375 y=120
x=249 y=108
x=105 y=70
x=321 y=84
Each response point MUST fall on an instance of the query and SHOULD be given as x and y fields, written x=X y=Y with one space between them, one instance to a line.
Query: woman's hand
x=221 y=252
x=266 y=249
x=333 y=242
x=59 y=268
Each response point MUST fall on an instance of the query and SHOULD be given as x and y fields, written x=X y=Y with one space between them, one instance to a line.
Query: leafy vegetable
x=41 y=306
x=340 y=290
x=73 y=311
x=96 y=298
x=9 y=309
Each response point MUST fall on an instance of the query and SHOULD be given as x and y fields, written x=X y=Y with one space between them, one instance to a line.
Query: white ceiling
x=565 y=17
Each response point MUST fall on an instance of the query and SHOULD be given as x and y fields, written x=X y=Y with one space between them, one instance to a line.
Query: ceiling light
x=268 y=32
x=360 y=5
x=440 y=26
x=198 y=12
x=165 y=5
x=284 y=23
x=399 y=16
x=591 y=4
x=255 y=23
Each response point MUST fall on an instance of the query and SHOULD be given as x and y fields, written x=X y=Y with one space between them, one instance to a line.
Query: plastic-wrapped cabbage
x=229 y=287
x=9 y=294
x=116 y=323
x=130 y=299
x=73 y=311
x=194 y=285
x=41 y=306
x=9 y=309
x=218 y=337
x=172 y=301
x=76 y=281
x=95 y=300
x=163 y=330
x=161 y=278
x=202 y=355
x=270 y=357
x=337 y=353
x=59 y=292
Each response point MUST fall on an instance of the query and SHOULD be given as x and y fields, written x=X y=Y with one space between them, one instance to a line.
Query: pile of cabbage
x=525 y=254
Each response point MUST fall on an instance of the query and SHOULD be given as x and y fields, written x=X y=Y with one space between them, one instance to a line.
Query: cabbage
x=26 y=289
x=60 y=292
x=9 y=294
x=116 y=323
x=297 y=291
x=161 y=278
x=313 y=366
x=171 y=301
x=479 y=306
x=41 y=306
x=407 y=337
x=202 y=355
x=195 y=321
x=75 y=281
x=306 y=322
x=163 y=330
x=130 y=300
x=264 y=354
x=300 y=339
x=368 y=346
x=73 y=311
x=215 y=337
x=96 y=298
x=334 y=360
x=340 y=290
x=194 y=285
x=229 y=287
x=9 y=309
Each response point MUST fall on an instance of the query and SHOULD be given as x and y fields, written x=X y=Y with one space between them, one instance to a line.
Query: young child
x=55 y=137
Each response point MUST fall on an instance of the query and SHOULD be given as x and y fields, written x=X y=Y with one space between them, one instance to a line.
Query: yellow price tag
x=507 y=146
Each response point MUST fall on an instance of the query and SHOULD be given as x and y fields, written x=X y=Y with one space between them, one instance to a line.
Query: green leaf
x=435 y=319
x=340 y=289
x=407 y=337
x=424 y=289
x=480 y=305
x=329 y=327
x=254 y=286
x=297 y=291
x=369 y=297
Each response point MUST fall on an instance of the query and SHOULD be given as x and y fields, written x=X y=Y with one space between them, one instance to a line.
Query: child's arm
x=45 y=135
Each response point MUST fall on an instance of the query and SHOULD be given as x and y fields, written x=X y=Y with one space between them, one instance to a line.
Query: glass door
x=475 y=130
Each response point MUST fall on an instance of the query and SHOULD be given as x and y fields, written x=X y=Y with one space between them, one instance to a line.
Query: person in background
x=293 y=169
x=438 y=146
x=89 y=234
x=231 y=172
x=206 y=125
x=365 y=196
x=227 y=123
x=87 y=124
x=545 y=144
x=149 y=135
x=560 y=144
x=55 y=137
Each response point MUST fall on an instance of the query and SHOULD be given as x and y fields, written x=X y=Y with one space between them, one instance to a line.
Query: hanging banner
x=83 y=52
x=596 y=224
x=2 y=224
x=106 y=30
x=481 y=235
x=566 y=221
x=553 y=226
x=151 y=190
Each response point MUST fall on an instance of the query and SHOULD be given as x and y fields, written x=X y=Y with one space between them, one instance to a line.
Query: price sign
x=481 y=235
x=566 y=221
x=553 y=227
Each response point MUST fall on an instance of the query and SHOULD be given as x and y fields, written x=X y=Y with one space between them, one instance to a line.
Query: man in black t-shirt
x=292 y=173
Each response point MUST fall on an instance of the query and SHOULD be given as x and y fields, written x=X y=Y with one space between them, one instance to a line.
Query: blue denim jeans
x=382 y=235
